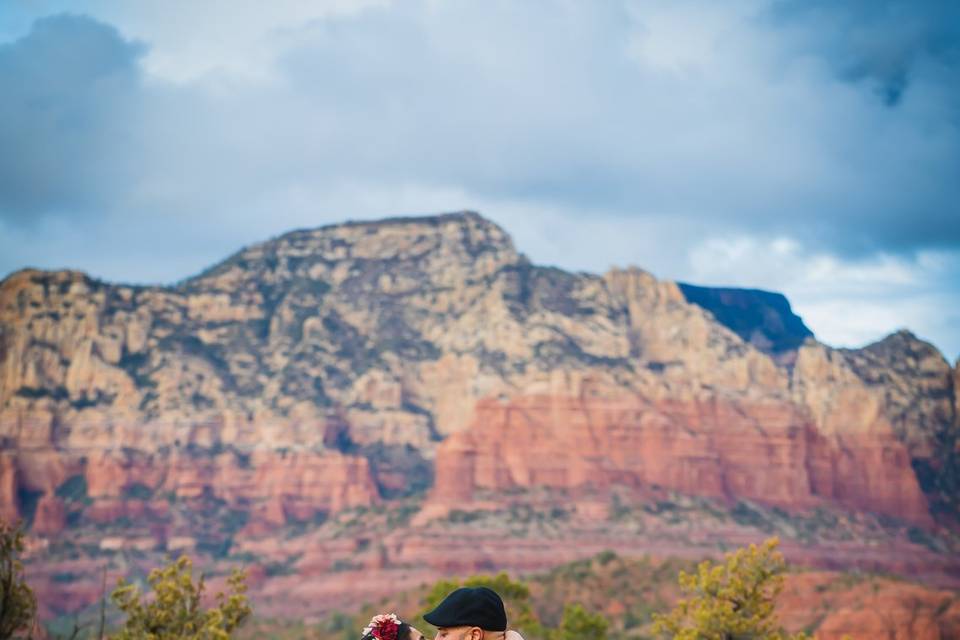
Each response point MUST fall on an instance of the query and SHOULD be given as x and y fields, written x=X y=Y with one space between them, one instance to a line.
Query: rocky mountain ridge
x=342 y=366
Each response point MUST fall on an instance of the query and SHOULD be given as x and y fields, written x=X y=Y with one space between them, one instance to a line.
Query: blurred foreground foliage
x=176 y=610
x=18 y=604
x=733 y=599
x=730 y=600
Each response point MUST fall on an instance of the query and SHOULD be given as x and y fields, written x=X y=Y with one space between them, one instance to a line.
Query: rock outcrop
x=918 y=393
x=762 y=318
x=875 y=608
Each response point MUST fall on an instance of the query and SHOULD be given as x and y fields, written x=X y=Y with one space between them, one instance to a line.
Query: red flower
x=386 y=630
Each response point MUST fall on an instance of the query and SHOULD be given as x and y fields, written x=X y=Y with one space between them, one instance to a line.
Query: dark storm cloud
x=68 y=139
x=906 y=53
x=599 y=110
x=885 y=43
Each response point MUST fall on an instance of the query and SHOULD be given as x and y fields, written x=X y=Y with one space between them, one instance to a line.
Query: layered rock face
x=9 y=502
x=918 y=391
x=330 y=367
x=765 y=452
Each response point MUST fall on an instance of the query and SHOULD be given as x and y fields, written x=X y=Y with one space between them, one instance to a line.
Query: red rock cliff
x=764 y=451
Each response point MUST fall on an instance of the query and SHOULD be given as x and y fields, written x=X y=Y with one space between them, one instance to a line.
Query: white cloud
x=190 y=40
x=718 y=143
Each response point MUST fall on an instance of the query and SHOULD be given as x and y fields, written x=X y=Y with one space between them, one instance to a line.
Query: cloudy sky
x=805 y=146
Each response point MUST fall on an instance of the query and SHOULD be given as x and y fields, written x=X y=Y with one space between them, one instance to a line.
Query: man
x=470 y=613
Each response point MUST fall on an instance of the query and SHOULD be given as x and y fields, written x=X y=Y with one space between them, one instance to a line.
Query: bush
x=579 y=624
x=516 y=599
x=18 y=604
x=74 y=489
x=733 y=599
x=175 y=609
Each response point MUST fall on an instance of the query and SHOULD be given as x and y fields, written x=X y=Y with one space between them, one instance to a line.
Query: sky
x=810 y=147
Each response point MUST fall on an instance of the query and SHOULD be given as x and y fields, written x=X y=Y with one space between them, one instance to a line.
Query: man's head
x=469 y=613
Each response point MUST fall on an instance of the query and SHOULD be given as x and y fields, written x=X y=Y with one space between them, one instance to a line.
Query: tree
x=516 y=599
x=580 y=624
x=577 y=622
x=732 y=600
x=176 y=608
x=18 y=604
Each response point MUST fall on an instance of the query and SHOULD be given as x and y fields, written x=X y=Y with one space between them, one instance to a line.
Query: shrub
x=175 y=611
x=516 y=598
x=580 y=624
x=18 y=604
x=732 y=599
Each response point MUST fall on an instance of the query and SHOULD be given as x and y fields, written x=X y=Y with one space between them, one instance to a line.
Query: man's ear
x=476 y=633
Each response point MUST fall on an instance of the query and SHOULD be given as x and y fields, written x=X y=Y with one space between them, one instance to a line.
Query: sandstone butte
x=346 y=365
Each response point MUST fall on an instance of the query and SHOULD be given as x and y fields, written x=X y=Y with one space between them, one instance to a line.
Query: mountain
x=426 y=362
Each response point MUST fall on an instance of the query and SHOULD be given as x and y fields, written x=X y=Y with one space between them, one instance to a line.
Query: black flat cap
x=471 y=607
